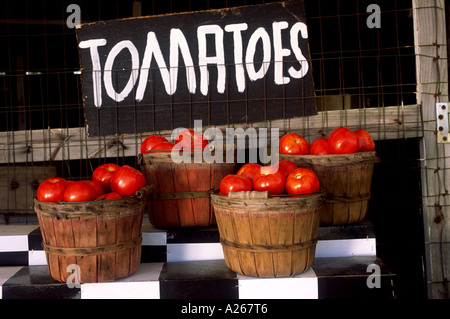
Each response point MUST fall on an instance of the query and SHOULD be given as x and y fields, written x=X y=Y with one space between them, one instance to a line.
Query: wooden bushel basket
x=102 y=239
x=263 y=236
x=346 y=180
x=181 y=197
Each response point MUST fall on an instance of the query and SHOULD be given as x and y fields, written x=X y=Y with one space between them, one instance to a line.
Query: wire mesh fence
x=364 y=77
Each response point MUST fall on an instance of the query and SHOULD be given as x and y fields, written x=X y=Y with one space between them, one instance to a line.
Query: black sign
x=228 y=66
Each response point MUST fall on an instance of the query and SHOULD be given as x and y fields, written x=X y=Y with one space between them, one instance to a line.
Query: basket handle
x=249 y=195
x=144 y=191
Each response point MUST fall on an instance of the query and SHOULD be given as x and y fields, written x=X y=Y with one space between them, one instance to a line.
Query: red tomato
x=293 y=144
x=127 y=181
x=235 y=183
x=164 y=147
x=151 y=141
x=343 y=141
x=302 y=181
x=269 y=179
x=97 y=187
x=366 y=141
x=103 y=174
x=52 y=190
x=192 y=140
x=286 y=167
x=80 y=191
x=319 y=147
x=249 y=170
x=109 y=196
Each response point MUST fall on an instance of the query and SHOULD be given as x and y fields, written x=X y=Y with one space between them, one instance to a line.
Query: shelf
x=21 y=245
x=189 y=263
x=336 y=277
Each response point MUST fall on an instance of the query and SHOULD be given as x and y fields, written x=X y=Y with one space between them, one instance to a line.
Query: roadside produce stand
x=229 y=150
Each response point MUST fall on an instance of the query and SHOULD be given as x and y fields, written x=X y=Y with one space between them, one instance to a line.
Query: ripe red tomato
x=319 y=147
x=235 y=183
x=192 y=140
x=293 y=144
x=109 y=196
x=97 y=187
x=302 y=181
x=269 y=179
x=151 y=141
x=52 y=190
x=343 y=141
x=103 y=174
x=127 y=181
x=79 y=191
x=286 y=167
x=163 y=147
x=249 y=170
x=366 y=141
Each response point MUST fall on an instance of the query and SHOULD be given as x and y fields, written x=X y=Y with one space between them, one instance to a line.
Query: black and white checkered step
x=331 y=277
x=21 y=245
x=188 y=263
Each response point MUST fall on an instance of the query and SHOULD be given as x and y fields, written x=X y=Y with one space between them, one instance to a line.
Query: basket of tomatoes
x=93 y=226
x=268 y=219
x=344 y=164
x=181 y=197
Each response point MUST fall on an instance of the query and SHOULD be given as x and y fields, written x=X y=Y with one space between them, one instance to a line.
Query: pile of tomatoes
x=109 y=181
x=281 y=178
x=340 y=141
x=186 y=139
x=285 y=176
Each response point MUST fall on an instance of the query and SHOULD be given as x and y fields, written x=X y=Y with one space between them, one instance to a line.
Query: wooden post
x=432 y=87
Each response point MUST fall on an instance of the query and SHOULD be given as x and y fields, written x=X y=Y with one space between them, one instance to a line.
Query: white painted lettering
x=297 y=28
x=107 y=76
x=152 y=49
x=238 y=61
x=178 y=41
x=218 y=59
x=259 y=34
x=279 y=52
x=211 y=51
x=92 y=45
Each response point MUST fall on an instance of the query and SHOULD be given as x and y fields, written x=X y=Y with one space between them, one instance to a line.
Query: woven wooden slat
x=102 y=237
x=346 y=180
x=181 y=195
x=268 y=237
